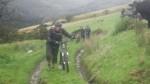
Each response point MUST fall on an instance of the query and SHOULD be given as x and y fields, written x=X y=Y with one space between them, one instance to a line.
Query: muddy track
x=78 y=62
x=35 y=77
x=79 y=65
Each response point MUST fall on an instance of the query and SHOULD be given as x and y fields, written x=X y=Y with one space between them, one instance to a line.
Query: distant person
x=82 y=32
x=55 y=35
x=77 y=35
x=87 y=32
x=123 y=12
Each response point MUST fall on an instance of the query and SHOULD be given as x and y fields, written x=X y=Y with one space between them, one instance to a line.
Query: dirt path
x=35 y=78
x=80 y=68
x=78 y=62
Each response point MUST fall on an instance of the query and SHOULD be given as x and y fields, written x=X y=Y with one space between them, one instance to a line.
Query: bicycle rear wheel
x=66 y=62
x=67 y=67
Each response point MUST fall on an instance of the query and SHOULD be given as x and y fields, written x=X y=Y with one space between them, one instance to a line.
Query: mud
x=35 y=77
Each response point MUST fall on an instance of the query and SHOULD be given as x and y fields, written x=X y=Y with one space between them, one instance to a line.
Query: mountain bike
x=64 y=56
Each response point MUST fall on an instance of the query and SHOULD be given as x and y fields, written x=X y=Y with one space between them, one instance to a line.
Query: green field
x=118 y=59
x=57 y=76
x=108 y=23
x=16 y=63
x=73 y=77
x=109 y=59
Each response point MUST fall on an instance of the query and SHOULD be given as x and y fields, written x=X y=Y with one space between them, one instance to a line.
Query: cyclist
x=55 y=35
x=82 y=32
x=87 y=32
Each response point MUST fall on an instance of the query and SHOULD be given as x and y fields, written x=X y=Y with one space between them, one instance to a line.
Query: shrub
x=142 y=33
x=5 y=59
x=42 y=32
x=38 y=33
x=7 y=34
x=124 y=24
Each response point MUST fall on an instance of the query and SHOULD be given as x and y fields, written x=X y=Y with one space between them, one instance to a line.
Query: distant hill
x=33 y=9
x=36 y=11
x=99 y=4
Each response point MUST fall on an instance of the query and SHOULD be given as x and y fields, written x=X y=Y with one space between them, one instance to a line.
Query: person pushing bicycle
x=55 y=36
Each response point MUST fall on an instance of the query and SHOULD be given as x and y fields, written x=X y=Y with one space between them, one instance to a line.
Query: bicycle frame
x=64 y=56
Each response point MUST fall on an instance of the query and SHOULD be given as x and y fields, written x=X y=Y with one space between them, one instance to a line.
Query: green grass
x=16 y=64
x=108 y=24
x=117 y=59
x=58 y=76
x=111 y=59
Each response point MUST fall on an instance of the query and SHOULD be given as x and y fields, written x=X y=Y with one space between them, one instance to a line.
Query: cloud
x=42 y=8
x=32 y=9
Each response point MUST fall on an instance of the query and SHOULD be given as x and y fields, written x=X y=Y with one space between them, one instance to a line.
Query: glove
x=56 y=42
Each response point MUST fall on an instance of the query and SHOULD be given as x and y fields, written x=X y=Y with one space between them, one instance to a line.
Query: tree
x=6 y=30
x=4 y=10
x=43 y=31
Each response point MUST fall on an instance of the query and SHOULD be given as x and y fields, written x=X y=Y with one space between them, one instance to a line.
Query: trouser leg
x=55 y=53
x=60 y=61
x=48 y=54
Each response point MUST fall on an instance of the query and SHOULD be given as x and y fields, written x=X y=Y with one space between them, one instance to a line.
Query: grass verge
x=118 y=59
x=18 y=59
x=58 y=76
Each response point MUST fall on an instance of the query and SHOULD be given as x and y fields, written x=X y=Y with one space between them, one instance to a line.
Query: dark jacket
x=57 y=35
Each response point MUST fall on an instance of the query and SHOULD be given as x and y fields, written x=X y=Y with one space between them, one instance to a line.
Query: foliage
x=38 y=33
x=121 y=58
x=7 y=34
x=42 y=31
x=4 y=12
x=7 y=27
x=125 y=24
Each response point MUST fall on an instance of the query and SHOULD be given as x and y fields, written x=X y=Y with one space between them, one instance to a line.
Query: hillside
x=18 y=59
x=99 y=5
x=118 y=59
x=109 y=58
x=28 y=12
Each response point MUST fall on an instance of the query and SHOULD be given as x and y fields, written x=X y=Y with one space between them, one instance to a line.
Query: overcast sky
x=41 y=8
x=31 y=9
